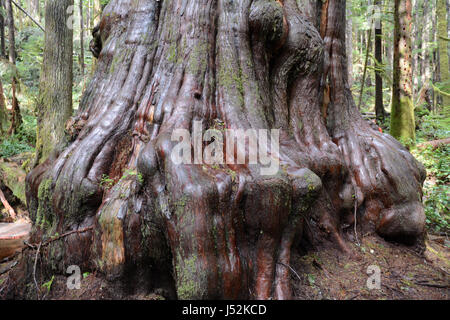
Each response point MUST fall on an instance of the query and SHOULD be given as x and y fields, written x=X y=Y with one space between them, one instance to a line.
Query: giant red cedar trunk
x=219 y=231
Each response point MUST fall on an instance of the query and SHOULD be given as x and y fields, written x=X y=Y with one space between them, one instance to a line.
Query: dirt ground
x=325 y=274
x=404 y=274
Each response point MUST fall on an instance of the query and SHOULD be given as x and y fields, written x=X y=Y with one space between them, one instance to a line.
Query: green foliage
x=106 y=182
x=437 y=163
x=437 y=207
x=311 y=279
x=11 y=146
x=432 y=126
x=133 y=173
x=29 y=43
x=22 y=141
x=48 y=284
x=437 y=189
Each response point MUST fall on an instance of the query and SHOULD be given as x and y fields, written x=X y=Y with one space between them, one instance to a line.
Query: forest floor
x=324 y=274
x=404 y=274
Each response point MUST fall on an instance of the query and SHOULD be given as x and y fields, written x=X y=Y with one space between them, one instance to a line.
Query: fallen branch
x=435 y=143
x=8 y=259
x=34 y=270
x=393 y=289
x=433 y=285
x=46 y=243
x=9 y=268
x=10 y=210
x=28 y=15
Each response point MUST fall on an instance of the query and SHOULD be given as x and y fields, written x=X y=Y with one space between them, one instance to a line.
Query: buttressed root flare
x=219 y=231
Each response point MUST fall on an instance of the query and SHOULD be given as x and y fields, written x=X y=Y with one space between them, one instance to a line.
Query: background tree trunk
x=54 y=106
x=349 y=44
x=427 y=26
x=16 y=119
x=36 y=9
x=80 y=5
x=219 y=231
x=2 y=32
x=379 y=107
x=403 y=126
x=442 y=36
x=3 y=111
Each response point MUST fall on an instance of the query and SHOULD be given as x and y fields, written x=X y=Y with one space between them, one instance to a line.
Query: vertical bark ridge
x=218 y=231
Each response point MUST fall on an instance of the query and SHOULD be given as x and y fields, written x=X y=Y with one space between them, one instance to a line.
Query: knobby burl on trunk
x=219 y=231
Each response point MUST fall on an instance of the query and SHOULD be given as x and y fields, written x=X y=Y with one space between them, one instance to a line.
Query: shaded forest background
x=370 y=49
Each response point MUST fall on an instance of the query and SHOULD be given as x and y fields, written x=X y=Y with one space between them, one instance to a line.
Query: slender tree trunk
x=426 y=57
x=435 y=57
x=2 y=32
x=442 y=36
x=415 y=43
x=98 y=8
x=366 y=62
x=3 y=112
x=379 y=107
x=35 y=9
x=54 y=105
x=220 y=230
x=80 y=3
x=403 y=125
x=349 y=45
x=16 y=119
x=94 y=44
x=88 y=27
x=448 y=30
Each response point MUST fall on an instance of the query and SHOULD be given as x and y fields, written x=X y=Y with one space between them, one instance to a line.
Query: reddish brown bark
x=219 y=231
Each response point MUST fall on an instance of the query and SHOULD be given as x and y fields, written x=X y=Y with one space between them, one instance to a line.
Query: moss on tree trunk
x=54 y=105
x=403 y=126
x=442 y=39
x=219 y=230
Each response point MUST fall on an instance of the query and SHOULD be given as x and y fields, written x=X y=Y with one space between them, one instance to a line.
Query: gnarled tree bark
x=222 y=231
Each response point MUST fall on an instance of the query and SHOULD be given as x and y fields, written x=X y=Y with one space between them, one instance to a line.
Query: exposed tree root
x=218 y=231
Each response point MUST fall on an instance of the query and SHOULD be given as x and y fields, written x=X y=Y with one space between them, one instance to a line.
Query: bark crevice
x=220 y=231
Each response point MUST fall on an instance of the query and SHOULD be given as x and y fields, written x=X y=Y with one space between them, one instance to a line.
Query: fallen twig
x=433 y=285
x=10 y=258
x=34 y=269
x=46 y=243
x=28 y=15
x=393 y=289
x=354 y=297
x=321 y=268
x=289 y=267
x=9 y=268
x=10 y=210
x=435 y=143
